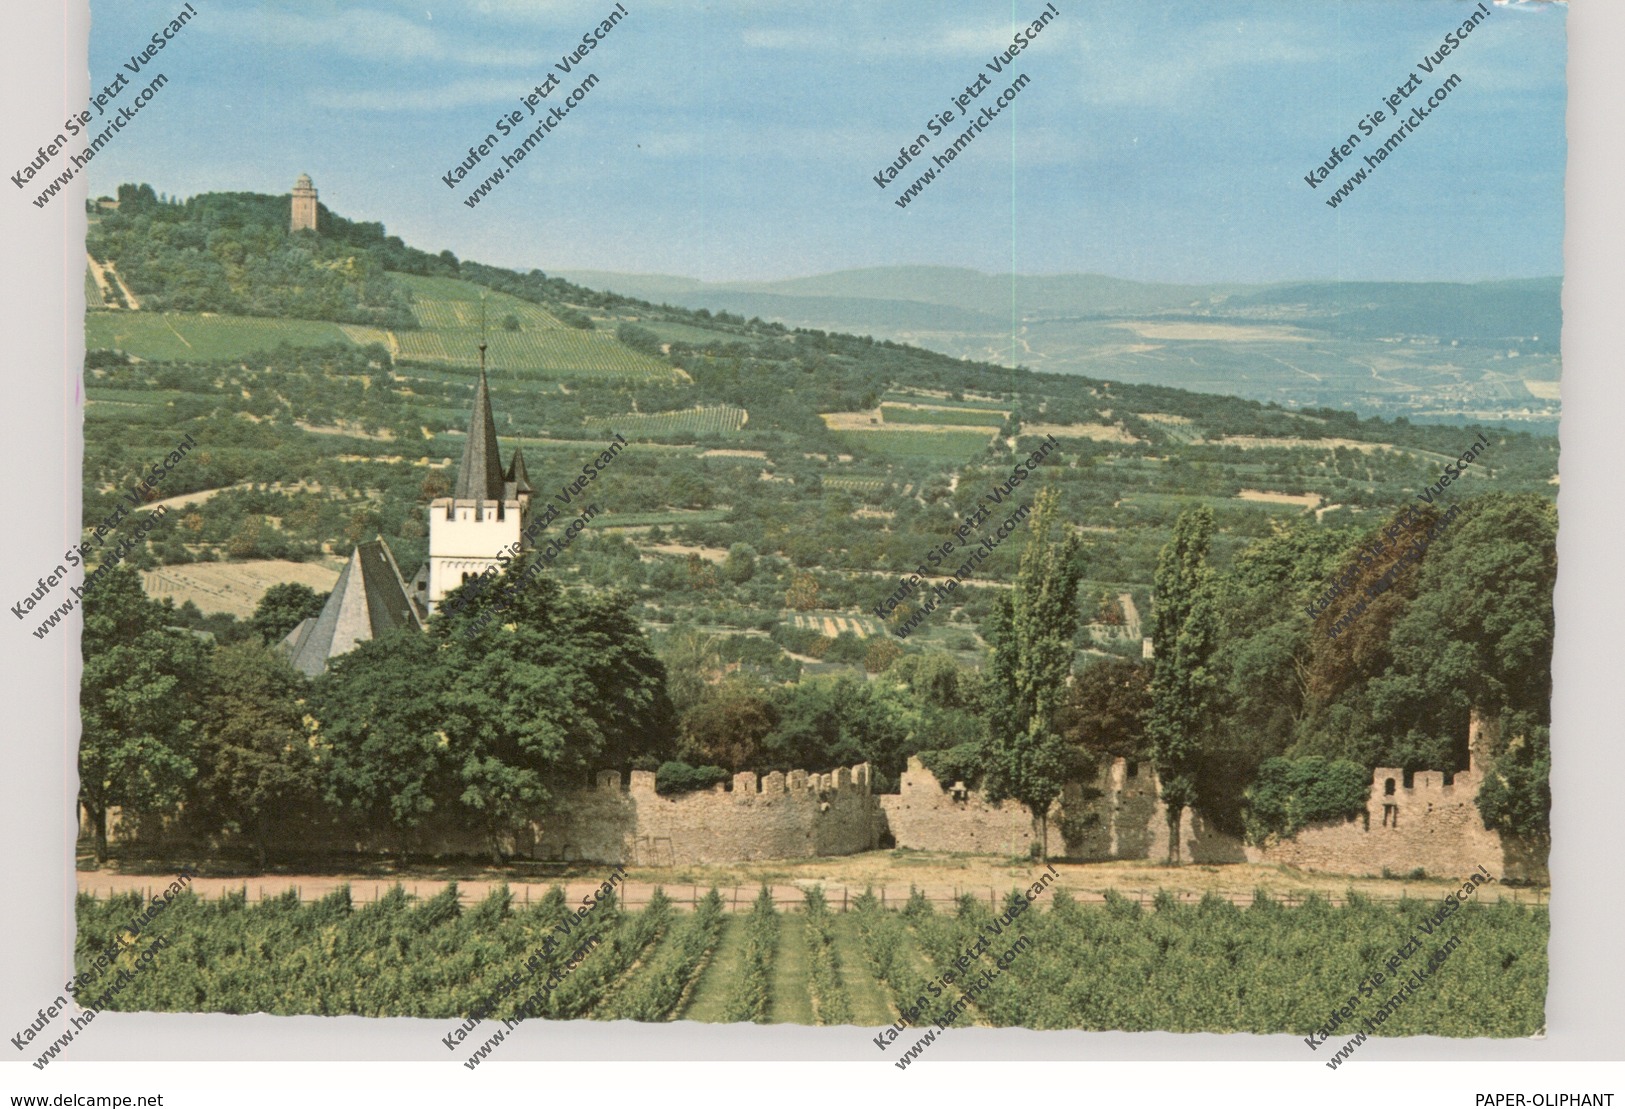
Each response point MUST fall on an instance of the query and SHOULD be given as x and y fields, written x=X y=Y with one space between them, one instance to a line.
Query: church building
x=486 y=513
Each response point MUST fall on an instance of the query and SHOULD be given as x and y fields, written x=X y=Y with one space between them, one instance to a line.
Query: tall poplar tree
x=1183 y=684
x=1031 y=634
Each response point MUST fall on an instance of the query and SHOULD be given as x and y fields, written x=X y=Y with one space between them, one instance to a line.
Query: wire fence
x=788 y=898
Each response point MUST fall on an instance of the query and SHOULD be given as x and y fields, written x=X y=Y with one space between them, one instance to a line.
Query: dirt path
x=942 y=878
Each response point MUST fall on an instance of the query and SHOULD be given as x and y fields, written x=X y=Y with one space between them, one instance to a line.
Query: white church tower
x=485 y=514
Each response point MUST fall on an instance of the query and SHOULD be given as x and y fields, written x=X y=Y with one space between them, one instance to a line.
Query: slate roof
x=480 y=477
x=368 y=600
x=517 y=474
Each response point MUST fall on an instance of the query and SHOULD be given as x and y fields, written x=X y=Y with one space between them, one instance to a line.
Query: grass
x=966 y=417
x=869 y=1005
x=951 y=447
x=719 y=419
x=445 y=302
x=710 y=996
x=663 y=519
x=791 y=1002
x=447 y=310
x=174 y=336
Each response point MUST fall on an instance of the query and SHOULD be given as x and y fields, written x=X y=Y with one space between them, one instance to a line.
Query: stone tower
x=481 y=522
x=304 y=205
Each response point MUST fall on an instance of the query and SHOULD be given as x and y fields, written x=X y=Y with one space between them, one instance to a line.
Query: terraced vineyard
x=715 y=420
x=442 y=302
x=448 y=312
x=566 y=353
x=947 y=447
x=961 y=417
x=1178 y=967
x=173 y=336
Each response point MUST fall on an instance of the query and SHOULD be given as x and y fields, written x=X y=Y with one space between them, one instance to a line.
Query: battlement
x=852 y=781
x=1392 y=782
x=473 y=511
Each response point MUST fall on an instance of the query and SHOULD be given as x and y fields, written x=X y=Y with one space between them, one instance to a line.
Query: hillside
x=778 y=480
x=1439 y=351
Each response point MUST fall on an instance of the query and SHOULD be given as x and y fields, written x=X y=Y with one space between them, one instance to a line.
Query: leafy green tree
x=1290 y=793
x=1516 y=796
x=282 y=608
x=1106 y=708
x=257 y=756
x=803 y=593
x=693 y=662
x=727 y=725
x=881 y=653
x=139 y=704
x=380 y=733
x=740 y=566
x=1031 y=635
x=1182 y=681
x=809 y=729
x=1482 y=640
x=881 y=723
x=542 y=692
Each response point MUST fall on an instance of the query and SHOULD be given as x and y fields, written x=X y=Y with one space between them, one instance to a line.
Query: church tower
x=485 y=514
x=304 y=205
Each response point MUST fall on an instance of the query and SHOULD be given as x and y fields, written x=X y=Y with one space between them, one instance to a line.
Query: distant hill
x=1431 y=350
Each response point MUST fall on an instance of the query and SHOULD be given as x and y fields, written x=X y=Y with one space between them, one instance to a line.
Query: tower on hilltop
x=304 y=205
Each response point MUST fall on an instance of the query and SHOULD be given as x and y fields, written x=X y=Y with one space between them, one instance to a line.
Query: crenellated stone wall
x=925 y=816
x=1426 y=824
x=1430 y=823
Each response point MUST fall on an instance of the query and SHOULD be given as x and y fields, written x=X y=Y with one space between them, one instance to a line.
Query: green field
x=721 y=419
x=1002 y=408
x=1212 y=967
x=961 y=417
x=447 y=310
x=444 y=302
x=856 y=484
x=174 y=336
x=563 y=353
x=665 y=519
x=954 y=448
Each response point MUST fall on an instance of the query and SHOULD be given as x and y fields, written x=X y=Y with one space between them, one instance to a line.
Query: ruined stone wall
x=778 y=816
x=1119 y=815
x=925 y=816
x=1427 y=825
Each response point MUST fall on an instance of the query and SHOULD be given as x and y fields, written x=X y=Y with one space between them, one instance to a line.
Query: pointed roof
x=367 y=601
x=479 y=478
x=517 y=474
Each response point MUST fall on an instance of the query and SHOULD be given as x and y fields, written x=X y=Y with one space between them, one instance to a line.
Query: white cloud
x=420 y=97
x=375 y=35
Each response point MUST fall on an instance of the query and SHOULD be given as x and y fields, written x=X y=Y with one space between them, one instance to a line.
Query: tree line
x=1249 y=711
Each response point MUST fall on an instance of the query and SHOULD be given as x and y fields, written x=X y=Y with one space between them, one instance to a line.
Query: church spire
x=480 y=477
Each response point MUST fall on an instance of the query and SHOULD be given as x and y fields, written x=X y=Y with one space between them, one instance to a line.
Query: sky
x=738 y=141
